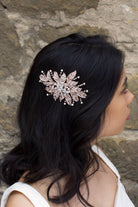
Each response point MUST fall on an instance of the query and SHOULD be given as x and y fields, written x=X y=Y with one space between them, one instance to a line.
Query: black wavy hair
x=56 y=138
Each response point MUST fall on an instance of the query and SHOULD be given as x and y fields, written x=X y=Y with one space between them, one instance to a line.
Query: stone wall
x=28 y=25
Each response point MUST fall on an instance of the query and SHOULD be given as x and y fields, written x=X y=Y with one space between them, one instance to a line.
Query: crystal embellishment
x=63 y=87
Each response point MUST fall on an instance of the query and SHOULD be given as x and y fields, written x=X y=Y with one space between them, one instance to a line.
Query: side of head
x=56 y=137
x=44 y=120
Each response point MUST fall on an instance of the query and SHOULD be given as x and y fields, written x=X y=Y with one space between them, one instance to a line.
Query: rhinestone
x=63 y=87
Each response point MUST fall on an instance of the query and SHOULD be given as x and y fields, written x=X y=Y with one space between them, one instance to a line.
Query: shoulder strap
x=31 y=193
x=99 y=152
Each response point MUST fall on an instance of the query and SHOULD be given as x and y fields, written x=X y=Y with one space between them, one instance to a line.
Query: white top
x=121 y=200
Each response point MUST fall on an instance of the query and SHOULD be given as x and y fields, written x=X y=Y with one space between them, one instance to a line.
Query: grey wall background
x=28 y=25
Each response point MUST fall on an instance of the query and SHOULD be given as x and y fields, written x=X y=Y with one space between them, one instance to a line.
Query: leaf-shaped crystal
x=48 y=75
x=68 y=99
x=75 y=97
x=56 y=95
x=55 y=76
x=73 y=83
x=73 y=90
x=43 y=78
x=81 y=94
x=49 y=89
x=49 y=83
x=72 y=75
x=63 y=78
x=61 y=97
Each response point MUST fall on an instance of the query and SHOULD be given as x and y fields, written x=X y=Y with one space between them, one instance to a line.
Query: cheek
x=115 y=119
x=117 y=109
x=116 y=114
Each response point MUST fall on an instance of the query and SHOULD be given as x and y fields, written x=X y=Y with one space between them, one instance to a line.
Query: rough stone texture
x=124 y=155
x=49 y=33
x=7 y=114
x=10 y=49
x=34 y=7
x=132 y=189
x=27 y=26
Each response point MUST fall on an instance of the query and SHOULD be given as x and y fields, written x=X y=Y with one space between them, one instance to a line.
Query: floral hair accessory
x=63 y=87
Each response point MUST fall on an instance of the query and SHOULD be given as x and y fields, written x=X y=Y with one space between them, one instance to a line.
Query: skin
x=118 y=110
x=103 y=184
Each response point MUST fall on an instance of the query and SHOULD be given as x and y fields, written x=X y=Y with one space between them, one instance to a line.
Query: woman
x=76 y=93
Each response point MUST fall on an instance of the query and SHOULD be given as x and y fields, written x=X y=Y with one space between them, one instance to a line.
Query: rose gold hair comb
x=63 y=87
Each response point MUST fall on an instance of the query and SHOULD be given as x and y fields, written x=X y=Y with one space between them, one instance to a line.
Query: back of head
x=56 y=137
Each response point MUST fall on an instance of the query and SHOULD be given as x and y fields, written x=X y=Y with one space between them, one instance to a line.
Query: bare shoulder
x=17 y=199
x=103 y=186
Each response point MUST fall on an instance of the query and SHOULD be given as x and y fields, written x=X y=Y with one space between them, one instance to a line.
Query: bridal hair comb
x=63 y=87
